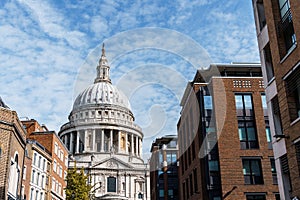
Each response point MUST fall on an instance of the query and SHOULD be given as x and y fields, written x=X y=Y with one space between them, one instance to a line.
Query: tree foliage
x=77 y=185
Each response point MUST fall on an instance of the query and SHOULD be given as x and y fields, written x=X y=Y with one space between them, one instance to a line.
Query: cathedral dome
x=101 y=93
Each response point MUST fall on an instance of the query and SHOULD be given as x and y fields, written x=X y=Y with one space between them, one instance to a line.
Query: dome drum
x=103 y=140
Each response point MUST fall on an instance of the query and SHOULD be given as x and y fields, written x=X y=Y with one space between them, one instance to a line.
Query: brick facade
x=164 y=169
x=221 y=173
x=58 y=156
x=281 y=27
x=12 y=142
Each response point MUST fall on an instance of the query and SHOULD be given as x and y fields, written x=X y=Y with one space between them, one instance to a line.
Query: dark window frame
x=274 y=171
x=297 y=148
x=292 y=83
x=252 y=178
x=286 y=27
x=111 y=184
x=246 y=121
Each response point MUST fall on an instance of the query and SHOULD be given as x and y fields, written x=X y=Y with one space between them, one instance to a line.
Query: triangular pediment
x=112 y=163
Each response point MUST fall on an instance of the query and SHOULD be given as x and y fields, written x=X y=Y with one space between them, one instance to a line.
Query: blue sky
x=49 y=51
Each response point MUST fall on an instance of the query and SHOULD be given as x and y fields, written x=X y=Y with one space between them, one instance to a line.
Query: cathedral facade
x=101 y=137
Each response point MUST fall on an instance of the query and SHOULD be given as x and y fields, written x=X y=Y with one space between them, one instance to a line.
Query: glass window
x=169 y=158
x=239 y=102
x=268 y=62
x=243 y=104
x=161 y=193
x=297 y=146
x=268 y=135
x=286 y=26
x=252 y=171
x=111 y=184
x=284 y=6
x=261 y=14
x=170 y=193
x=276 y=116
x=31 y=194
x=264 y=101
x=54 y=166
x=160 y=157
x=34 y=158
x=24 y=172
x=40 y=160
x=38 y=178
x=42 y=182
x=248 y=101
x=213 y=165
x=32 y=177
x=208 y=102
x=44 y=165
x=56 y=148
x=293 y=93
x=256 y=197
x=273 y=169
x=247 y=134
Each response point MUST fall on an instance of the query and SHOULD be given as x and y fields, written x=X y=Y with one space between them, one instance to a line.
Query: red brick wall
x=230 y=152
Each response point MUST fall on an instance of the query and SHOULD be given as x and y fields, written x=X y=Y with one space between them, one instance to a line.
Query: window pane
x=281 y=3
x=264 y=101
x=213 y=165
x=251 y=133
x=242 y=133
x=273 y=168
x=248 y=101
x=256 y=197
x=169 y=158
x=255 y=166
x=207 y=102
x=161 y=193
x=111 y=184
x=238 y=101
x=246 y=167
x=268 y=134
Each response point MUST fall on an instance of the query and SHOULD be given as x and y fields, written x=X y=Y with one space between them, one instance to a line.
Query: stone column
x=137 y=145
x=85 y=140
x=71 y=142
x=132 y=147
x=141 y=146
x=111 y=140
x=126 y=143
x=119 y=141
x=93 y=140
x=102 y=140
x=77 y=142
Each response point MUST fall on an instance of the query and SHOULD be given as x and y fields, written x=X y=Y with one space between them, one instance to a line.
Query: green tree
x=77 y=185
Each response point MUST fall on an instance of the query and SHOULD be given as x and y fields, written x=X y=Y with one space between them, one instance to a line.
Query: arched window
x=123 y=143
x=14 y=176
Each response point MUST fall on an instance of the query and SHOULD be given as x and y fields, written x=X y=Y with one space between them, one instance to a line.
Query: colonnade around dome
x=102 y=140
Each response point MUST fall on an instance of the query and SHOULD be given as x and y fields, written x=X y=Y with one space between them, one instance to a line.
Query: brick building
x=164 y=168
x=36 y=174
x=224 y=136
x=12 y=148
x=56 y=171
x=278 y=30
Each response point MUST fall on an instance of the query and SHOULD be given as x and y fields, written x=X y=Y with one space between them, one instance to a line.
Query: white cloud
x=99 y=25
x=44 y=48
